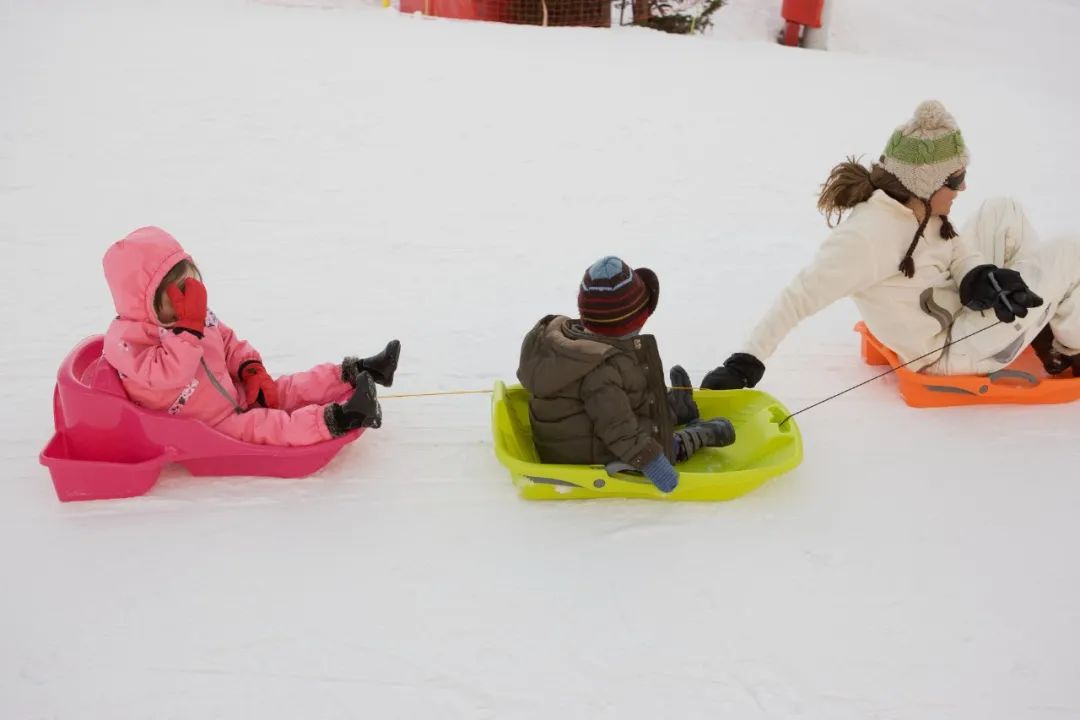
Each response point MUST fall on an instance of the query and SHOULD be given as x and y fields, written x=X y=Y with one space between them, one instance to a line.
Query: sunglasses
x=956 y=181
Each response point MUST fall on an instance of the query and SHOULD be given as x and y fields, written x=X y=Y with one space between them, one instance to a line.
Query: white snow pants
x=1002 y=232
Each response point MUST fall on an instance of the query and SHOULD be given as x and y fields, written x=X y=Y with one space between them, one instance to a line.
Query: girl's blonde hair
x=178 y=271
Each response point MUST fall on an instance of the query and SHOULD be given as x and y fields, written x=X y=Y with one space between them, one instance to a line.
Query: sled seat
x=1024 y=382
x=105 y=446
x=763 y=449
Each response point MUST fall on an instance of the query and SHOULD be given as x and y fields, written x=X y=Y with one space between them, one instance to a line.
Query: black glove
x=989 y=286
x=741 y=370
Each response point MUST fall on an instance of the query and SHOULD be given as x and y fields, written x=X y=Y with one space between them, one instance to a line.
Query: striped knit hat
x=614 y=299
x=923 y=153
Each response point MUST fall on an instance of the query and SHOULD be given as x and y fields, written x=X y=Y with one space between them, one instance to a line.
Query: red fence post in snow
x=798 y=14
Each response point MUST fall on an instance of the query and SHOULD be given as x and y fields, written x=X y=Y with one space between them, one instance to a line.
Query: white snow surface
x=345 y=174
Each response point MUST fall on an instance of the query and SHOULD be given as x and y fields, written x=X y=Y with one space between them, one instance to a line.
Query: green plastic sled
x=763 y=449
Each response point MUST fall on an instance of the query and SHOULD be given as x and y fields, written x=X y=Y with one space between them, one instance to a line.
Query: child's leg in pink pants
x=299 y=421
x=264 y=426
x=320 y=385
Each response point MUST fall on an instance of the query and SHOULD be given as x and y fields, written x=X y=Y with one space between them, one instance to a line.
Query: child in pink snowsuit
x=173 y=354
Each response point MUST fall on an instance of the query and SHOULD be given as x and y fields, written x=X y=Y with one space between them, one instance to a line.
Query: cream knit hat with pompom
x=925 y=151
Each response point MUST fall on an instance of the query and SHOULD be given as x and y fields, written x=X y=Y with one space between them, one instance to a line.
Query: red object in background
x=582 y=13
x=803 y=12
x=799 y=13
x=460 y=9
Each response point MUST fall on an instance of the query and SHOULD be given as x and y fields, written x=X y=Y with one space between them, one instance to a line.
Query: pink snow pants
x=299 y=419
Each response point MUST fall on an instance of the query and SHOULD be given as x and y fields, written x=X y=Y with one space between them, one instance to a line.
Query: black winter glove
x=741 y=370
x=989 y=286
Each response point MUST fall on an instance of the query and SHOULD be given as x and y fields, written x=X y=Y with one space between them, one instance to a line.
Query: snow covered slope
x=344 y=174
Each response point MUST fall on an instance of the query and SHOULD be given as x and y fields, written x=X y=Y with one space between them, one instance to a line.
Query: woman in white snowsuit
x=917 y=284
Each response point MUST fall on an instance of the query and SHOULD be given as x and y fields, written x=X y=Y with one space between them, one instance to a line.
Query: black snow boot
x=681 y=396
x=718 y=432
x=381 y=366
x=1054 y=361
x=361 y=410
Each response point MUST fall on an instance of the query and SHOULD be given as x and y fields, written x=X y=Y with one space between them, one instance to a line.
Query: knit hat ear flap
x=653 y=284
x=907 y=265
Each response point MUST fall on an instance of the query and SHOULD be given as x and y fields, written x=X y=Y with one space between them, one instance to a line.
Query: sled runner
x=105 y=446
x=1023 y=382
x=763 y=449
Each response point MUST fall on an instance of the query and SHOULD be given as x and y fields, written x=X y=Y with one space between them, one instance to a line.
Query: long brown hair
x=178 y=271
x=851 y=183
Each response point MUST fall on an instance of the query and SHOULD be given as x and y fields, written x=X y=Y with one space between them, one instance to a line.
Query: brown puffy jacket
x=595 y=399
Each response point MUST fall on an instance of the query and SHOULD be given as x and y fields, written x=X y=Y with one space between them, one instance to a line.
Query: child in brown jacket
x=597 y=385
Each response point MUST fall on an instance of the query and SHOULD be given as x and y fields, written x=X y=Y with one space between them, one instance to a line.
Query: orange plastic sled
x=1025 y=382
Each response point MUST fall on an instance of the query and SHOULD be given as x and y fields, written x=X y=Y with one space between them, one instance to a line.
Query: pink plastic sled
x=105 y=446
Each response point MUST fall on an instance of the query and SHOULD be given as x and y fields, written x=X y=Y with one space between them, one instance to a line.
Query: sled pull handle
x=1018 y=374
x=615 y=468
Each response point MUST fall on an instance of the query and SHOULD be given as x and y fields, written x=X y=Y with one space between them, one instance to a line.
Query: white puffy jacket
x=861 y=258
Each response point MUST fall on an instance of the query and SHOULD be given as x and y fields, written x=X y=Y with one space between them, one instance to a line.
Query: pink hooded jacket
x=160 y=369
